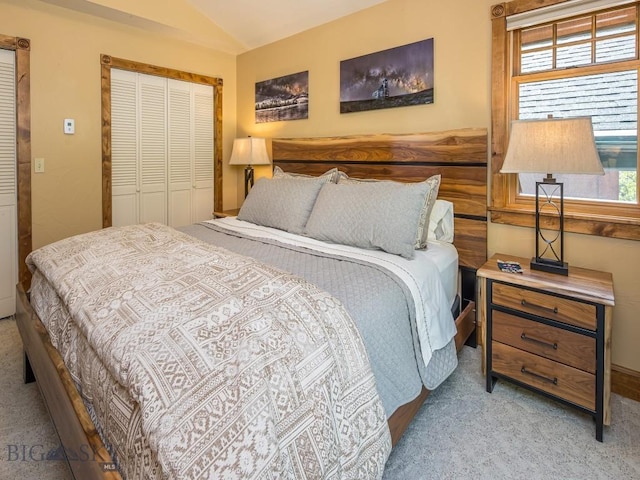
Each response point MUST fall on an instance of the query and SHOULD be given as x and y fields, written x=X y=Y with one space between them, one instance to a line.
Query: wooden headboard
x=460 y=156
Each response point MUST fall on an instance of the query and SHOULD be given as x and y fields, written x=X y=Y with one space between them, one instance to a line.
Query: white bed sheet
x=434 y=320
x=445 y=256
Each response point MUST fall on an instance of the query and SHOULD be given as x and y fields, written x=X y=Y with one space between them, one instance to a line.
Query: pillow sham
x=433 y=182
x=441 y=226
x=381 y=215
x=279 y=173
x=282 y=203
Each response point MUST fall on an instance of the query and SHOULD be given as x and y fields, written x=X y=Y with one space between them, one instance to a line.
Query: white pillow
x=441 y=221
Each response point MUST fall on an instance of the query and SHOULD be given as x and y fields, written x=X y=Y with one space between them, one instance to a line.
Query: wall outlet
x=39 y=165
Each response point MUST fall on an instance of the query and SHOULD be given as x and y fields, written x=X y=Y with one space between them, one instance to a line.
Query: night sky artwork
x=396 y=77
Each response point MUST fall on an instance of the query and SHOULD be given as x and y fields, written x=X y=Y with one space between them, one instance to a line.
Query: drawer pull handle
x=553 y=380
x=524 y=303
x=524 y=336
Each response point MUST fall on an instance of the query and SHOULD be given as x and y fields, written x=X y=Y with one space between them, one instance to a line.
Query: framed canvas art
x=283 y=98
x=396 y=77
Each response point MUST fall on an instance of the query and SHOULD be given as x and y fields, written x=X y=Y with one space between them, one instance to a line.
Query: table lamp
x=551 y=146
x=249 y=151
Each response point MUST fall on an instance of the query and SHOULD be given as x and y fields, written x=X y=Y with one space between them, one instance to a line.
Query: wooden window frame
x=585 y=217
x=108 y=62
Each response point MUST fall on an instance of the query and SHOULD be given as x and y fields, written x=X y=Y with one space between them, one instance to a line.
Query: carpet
x=461 y=432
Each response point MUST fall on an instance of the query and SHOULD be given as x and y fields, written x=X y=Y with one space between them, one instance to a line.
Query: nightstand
x=226 y=213
x=549 y=333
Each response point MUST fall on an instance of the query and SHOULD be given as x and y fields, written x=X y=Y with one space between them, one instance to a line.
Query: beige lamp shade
x=554 y=145
x=249 y=151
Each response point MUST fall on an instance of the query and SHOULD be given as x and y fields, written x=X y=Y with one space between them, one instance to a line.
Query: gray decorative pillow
x=279 y=173
x=382 y=215
x=283 y=203
x=427 y=207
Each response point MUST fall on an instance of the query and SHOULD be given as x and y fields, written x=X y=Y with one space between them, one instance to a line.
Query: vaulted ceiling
x=232 y=26
x=259 y=22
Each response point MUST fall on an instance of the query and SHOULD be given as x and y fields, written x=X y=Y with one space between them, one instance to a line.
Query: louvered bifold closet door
x=180 y=154
x=124 y=148
x=8 y=188
x=162 y=150
x=190 y=152
x=153 y=148
x=202 y=96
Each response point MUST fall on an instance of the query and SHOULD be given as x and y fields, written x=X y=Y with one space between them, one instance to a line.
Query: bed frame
x=459 y=155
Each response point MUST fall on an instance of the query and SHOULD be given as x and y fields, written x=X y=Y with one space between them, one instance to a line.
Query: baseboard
x=625 y=382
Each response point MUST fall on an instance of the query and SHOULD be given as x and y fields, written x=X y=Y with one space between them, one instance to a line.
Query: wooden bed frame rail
x=84 y=450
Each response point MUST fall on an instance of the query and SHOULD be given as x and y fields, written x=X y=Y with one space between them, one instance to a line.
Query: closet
x=161 y=149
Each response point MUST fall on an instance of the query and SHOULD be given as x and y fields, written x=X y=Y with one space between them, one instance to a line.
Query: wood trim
x=614 y=221
x=521 y=6
x=22 y=48
x=105 y=79
x=587 y=226
x=23 y=114
x=625 y=382
x=460 y=156
x=107 y=62
x=146 y=68
x=499 y=107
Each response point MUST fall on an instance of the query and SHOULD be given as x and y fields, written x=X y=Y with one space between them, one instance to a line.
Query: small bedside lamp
x=558 y=145
x=249 y=151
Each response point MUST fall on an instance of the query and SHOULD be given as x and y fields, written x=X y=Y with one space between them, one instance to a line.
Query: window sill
x=586 y=223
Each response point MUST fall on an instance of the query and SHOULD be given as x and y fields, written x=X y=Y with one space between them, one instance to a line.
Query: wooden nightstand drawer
x=544 y=305
x=552 y=377
x=556 y=344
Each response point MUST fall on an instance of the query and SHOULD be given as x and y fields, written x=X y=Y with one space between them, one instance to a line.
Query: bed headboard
x=460 y=156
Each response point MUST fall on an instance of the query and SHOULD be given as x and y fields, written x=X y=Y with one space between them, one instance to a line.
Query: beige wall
x=462 y=39
x=65 y=83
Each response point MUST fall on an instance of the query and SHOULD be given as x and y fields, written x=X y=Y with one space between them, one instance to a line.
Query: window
x=583 y=65
x=610 y=98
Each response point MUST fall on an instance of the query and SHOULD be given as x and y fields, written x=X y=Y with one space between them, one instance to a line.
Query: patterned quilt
x=239 y=370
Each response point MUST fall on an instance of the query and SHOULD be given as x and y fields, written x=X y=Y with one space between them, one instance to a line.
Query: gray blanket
x=376 y=299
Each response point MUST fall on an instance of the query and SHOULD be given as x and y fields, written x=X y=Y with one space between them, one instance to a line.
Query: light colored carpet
x=461 y=432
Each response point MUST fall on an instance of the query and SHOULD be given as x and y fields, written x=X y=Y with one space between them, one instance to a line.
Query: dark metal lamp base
x=549 y=266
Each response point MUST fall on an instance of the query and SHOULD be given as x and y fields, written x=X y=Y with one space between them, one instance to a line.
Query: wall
x=462 y=51
x=462 y=39
x=65 y=83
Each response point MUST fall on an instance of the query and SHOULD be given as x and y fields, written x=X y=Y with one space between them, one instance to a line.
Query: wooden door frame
x=108 y=63
x=22 y=48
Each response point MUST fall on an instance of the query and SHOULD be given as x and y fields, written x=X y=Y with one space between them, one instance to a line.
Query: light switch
x=39 y=165
x=69 y=126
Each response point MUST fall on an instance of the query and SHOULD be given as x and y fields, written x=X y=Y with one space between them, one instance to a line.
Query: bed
x=460 y=157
